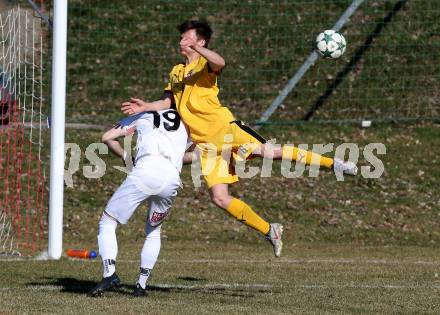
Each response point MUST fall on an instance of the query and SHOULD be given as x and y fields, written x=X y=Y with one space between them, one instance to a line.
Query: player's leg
x=108 y=249
x=108 y=244
x=266 y=150
x=149 y=254
x=119 y=209
x=306 y=157
x=238 y=209
x=244 y=213
x=159 y=207
x=250 y=142
x=218 y=173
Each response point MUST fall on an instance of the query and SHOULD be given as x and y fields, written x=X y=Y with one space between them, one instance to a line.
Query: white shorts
x=154 y=179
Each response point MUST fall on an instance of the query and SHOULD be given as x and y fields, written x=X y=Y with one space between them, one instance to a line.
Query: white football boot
x=345 y=167
x=274 y=237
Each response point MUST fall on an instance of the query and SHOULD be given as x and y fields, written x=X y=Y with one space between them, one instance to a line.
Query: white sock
x=149 y=254
x=144 y=274
x=108 y=245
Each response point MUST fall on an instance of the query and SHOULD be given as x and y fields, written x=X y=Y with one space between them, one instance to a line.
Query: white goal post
x=58 y=110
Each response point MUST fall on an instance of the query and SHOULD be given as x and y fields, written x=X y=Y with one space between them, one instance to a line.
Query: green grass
x=387 y=229
x=399 y=208
x=226 y=278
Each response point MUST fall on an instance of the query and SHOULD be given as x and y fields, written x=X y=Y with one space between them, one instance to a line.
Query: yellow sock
x=243 y=213
x=306 y=157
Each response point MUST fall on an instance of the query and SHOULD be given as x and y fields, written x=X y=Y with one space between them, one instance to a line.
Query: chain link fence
x=389 y=71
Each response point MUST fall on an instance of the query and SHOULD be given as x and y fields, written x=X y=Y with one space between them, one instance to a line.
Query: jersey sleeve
x=204 y=66
x=129 y=129
x=129 y=124
x=204 y=72
x=217 y=73
x=127 y=121
x=167 y=88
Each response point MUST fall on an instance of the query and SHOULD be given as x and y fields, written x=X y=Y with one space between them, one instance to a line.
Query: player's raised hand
x=133 y=106
x=188 y=42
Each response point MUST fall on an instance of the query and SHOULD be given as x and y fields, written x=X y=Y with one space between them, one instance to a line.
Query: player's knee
x=268 y=151
x=220 y=200
x=107 y=221
x=277 y=153
x=152 y=231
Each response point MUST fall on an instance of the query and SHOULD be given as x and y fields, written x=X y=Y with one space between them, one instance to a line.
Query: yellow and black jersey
x=195 y=91
x=211 y=125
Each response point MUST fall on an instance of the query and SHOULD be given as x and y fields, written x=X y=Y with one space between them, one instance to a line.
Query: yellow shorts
x=217 y=158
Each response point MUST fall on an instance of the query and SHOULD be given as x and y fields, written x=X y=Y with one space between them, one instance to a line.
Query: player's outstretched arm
x=110 y=139
x=215 y=61
x=136 y=105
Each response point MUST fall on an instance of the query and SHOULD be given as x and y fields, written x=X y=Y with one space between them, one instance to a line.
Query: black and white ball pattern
x=331 y=44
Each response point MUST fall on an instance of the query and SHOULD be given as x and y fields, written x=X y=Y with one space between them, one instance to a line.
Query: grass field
x=399 y=208
x=226 y=278
x=357 y=246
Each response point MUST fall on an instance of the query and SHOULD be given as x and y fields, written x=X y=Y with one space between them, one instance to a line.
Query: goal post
x=58 y=110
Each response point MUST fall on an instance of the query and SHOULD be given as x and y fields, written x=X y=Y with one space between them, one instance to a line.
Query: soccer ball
x=331 y=44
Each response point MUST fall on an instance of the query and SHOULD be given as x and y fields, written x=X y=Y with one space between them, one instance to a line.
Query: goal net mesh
x=22 y=174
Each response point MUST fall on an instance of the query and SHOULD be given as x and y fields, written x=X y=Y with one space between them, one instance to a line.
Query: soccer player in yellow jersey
x=192 y=89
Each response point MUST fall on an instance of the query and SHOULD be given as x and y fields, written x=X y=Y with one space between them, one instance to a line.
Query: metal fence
x=119 y=49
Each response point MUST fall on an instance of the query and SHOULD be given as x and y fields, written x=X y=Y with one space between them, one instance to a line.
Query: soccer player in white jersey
x=161 y=144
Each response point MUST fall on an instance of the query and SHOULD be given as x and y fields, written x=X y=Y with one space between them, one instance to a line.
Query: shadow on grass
x=82 y=287
x=71 y=285
x=191 y=279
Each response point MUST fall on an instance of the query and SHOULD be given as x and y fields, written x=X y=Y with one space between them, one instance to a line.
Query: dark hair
x=203 y=30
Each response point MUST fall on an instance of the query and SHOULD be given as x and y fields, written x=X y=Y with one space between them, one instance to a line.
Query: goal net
x=22 y=124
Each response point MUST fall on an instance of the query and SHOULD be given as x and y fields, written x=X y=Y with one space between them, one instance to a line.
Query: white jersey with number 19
x=160 y=133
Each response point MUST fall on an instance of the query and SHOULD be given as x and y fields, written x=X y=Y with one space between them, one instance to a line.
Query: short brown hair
x=203 y=30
